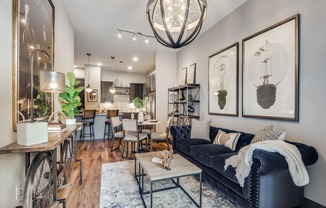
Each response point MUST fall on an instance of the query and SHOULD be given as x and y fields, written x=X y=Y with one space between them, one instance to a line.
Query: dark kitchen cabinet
x=136 y=90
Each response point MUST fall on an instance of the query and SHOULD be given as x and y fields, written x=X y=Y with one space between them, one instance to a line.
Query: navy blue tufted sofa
x=269 y=184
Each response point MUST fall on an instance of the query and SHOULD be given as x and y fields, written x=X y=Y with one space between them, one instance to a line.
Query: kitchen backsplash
x=121 y=102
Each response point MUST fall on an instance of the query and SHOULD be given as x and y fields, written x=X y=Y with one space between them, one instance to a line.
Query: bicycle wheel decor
x=65 y=165
x=38 y=190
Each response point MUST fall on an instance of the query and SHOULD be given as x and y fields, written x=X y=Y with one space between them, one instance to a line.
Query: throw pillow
x=229 y=140
x=200 y=129
x=269 y=133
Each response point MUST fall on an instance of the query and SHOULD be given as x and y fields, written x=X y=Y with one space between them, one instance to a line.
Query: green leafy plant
x=43 y=103
x=70 y=100
x=140 y=103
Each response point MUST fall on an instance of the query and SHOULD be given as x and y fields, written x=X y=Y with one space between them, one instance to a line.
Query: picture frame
x=183 y=76
x=92 y=96
x=223 y=77
x=191 y=74
x=33 y=28
x=270 y=72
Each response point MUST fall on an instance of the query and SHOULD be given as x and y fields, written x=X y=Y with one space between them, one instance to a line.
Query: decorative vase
x=140 y=116
x=70 y=121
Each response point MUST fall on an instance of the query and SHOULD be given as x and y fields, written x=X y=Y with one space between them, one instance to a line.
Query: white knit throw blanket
x=243 y=160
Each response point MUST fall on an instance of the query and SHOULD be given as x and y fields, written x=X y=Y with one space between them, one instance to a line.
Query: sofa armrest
x=180 y=132
x=273 y=161
x=269 y=161
x=308 y=153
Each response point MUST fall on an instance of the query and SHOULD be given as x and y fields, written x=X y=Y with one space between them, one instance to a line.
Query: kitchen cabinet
x=107 y=96
x=136 y=90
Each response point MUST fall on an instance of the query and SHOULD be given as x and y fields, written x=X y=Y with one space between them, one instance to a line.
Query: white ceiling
x=95 y=24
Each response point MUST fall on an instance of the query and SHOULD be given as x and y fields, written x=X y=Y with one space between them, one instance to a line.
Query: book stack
x=157 y=160
x=56 y=127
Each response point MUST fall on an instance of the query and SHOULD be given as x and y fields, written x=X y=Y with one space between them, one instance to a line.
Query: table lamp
x=50 y=81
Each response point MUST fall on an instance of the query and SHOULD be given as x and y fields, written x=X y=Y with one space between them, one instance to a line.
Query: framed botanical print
x=270 y=72
x=223 y=68
x=191 y=74
x=183 y=76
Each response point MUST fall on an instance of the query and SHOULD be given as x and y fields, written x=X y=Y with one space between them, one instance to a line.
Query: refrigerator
x=151 y=109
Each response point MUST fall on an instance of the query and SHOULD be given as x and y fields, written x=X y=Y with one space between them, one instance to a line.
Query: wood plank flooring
x=93 y=155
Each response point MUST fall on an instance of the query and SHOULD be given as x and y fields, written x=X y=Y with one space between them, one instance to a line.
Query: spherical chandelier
x=176 y=23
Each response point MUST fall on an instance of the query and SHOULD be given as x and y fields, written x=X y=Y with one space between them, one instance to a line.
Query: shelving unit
x=183 y=103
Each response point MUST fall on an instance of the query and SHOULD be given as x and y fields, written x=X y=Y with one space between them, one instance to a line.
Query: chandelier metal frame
x=183 y=38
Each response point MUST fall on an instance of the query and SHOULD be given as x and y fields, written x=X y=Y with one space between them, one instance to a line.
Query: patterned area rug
x=120 y=189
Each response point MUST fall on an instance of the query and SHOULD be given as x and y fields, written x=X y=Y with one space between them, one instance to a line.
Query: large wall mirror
x=33 y=29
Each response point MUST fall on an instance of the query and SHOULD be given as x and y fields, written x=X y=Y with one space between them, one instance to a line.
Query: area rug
x=119 y=189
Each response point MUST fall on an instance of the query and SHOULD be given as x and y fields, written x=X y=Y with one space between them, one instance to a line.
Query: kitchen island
x=100 y=123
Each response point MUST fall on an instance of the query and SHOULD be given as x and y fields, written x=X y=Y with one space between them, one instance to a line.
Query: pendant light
x=112 y=89
x=88 y=88
x=176 y=23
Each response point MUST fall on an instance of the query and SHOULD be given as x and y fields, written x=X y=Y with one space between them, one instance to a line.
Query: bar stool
x=88 y=121
x=108 y=123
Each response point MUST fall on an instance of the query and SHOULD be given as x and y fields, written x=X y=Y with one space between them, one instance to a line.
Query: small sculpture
x=167 y=157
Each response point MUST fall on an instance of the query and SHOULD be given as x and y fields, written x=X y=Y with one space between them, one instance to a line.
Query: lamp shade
x=112 y=90
x=51 y=81
x=88 y=89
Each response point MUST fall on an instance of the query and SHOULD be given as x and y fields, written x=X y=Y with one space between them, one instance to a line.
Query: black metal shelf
x=186 y=101
x=184 y=87
x=181 y=109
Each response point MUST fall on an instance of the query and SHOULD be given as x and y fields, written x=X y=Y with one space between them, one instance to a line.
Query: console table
x=54 y=140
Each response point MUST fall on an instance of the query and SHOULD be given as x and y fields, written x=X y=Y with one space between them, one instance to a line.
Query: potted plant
x=70 y=100
x=43 y=104
x=140 y=104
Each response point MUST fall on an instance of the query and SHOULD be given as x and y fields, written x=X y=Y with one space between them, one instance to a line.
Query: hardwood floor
x=93 y=155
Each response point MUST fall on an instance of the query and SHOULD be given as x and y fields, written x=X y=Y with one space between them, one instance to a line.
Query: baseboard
x=311 y=204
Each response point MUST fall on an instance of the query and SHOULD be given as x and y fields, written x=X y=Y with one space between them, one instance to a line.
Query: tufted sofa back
x=183 y=132
x=245 y=138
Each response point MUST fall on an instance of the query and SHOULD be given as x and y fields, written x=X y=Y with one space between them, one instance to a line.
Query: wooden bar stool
x=88 y=121
x=108 y=123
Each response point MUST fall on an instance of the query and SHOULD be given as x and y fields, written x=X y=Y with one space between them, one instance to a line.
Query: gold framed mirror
x=33 y=28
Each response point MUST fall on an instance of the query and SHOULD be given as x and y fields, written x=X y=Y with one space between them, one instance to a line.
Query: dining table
x=151 y=123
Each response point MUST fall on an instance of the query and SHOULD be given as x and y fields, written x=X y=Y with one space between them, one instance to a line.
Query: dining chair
x=132 y=136
x=161 y=136
x=107 y=130
x=88 y=121
x=116 y=131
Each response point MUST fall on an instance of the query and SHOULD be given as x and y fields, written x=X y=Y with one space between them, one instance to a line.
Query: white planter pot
x=70 y=121
x=140 y=117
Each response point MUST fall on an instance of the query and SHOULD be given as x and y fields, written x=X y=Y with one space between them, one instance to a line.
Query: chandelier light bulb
x=134 y=37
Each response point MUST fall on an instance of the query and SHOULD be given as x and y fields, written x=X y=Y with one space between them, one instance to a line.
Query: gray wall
x=250 y=18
